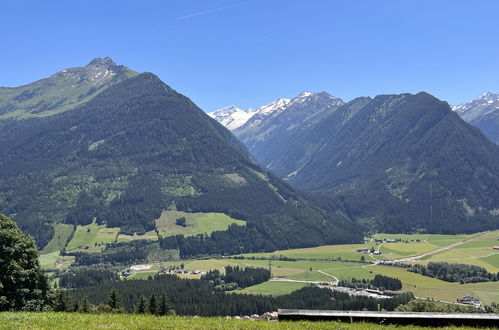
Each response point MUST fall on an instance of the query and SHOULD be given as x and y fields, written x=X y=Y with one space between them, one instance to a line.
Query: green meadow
x=60 y=238
x=92 y=238
x=51 y=320
x=196 y=223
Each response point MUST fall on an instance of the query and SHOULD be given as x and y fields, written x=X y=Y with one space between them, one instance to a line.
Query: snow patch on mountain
x=233 y=117
x=481 y=106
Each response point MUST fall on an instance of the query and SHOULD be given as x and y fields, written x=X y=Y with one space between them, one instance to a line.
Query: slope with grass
x=62 y=233
x=92 y=238
x=195 y=223
x=51 y=320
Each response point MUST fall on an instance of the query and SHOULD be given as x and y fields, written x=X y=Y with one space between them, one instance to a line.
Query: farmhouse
x=495 y=247
x=469 y=300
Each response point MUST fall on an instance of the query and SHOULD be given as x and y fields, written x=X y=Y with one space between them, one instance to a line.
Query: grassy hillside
x=196 y=223
x=92 y=238
x=119 y=321
x=62 y=232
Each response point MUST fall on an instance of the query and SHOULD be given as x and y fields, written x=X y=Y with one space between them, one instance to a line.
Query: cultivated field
x=196 y=223
x=326 y=259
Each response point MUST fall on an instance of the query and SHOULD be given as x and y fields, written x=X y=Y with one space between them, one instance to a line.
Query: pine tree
x=114 y=301
x=141 y=306
x=153 y=308
x=164 y=305
x=62 y=302
x=85 y=305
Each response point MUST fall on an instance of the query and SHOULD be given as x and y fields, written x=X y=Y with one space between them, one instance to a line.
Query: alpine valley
x=396 y=163
x=104 y=145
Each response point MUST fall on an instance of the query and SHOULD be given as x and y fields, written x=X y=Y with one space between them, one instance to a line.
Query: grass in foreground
x=19 y=320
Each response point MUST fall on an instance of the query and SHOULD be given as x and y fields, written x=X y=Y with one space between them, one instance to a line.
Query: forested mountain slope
x=397 y=162
x=136 y=149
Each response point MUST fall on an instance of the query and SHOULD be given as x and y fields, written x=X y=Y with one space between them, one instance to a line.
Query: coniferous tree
x=85 y=305
x=164 y=305
x=153 y=308
x=115 y=302
x=141 y=307
x=62 y=301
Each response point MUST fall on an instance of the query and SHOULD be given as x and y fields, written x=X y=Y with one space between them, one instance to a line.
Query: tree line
x=450 y=272
x=236 y=277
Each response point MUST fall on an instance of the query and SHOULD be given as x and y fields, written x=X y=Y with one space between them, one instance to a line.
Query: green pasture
x=54 y=260
x=427 y=287
x=60 y=238
x=478 y=252
x=151 y=235
x=58 y=320
x=273 y=288
x=92 y=238
x=48 y=260
x=197 y=223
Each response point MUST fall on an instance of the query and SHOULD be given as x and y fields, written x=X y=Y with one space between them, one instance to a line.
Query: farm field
x=92 y=238
x=273 y=288
x=60 y=239
x=478 y=252
x=52 y=320
x=196 y=223
x=127 y=238
x=425 y=243
x=427 y=287
x=54 y=260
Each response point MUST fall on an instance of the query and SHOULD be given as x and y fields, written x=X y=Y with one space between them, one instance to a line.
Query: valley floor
x=51 y=320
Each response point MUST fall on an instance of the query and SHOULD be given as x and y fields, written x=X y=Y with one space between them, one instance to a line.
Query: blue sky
x=248 y=53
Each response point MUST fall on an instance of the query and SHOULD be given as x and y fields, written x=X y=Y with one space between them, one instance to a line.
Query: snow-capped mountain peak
x=483 y=105
x=277 y=105
x=232 y=117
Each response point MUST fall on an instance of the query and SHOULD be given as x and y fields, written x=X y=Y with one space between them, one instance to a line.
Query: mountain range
x=104 y=143
x=482 y=112
x=397 y=163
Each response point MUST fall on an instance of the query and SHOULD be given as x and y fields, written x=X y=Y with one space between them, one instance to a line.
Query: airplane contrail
x=210 y=10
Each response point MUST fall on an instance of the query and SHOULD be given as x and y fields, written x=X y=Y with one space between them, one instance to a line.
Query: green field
x=476 y=252
x=54 y=260
x=427 y=242
x=273 y=288
x=196 y=223
x=60 y=238
x=50 y=320
x=151 y=235
x=92 y=238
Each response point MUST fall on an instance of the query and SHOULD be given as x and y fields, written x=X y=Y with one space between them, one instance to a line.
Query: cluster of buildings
x=268 y=316
x=469 y=300
x=180 y=270
x=367 y=251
